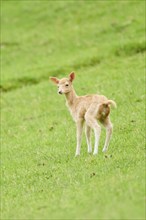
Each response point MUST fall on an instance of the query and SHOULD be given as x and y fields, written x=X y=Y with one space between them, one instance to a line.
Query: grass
x=104 y=42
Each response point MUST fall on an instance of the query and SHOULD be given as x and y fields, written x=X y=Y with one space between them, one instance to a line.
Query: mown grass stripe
x=123 y=50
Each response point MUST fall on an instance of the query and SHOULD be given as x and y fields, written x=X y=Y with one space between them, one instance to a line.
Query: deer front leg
x=79 y=125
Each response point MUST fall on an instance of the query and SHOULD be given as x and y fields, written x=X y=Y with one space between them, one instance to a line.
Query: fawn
x=89 y=109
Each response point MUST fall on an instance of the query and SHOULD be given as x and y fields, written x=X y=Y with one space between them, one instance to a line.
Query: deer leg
x=79 y=125
x=88 y=138
x=109 y=129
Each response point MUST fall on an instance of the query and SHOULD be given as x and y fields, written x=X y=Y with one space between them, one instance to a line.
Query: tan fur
x=89 y=109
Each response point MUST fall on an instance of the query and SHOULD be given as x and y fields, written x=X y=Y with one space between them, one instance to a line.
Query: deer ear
x=71 y=76
x=54 y=80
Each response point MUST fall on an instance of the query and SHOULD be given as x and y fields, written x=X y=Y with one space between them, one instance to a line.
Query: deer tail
x=110 y=102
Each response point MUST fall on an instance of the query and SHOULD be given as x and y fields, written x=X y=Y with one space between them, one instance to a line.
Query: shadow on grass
x=27 y=81
x=130 y=49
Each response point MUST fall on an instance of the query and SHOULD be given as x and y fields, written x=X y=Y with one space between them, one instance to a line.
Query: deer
x=92 y=110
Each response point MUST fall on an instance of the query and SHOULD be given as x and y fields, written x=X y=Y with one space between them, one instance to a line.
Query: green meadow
x=104 y=43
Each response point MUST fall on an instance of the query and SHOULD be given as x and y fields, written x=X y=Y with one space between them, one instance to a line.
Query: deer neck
x=71 y=97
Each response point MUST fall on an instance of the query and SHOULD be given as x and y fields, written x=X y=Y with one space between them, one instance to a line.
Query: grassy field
x=104 y=43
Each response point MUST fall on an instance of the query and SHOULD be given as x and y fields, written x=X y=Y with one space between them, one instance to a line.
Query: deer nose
x=60 y=92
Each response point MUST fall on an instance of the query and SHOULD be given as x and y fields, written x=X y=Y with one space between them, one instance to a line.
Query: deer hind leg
x=88 y=138
x=92 y=122
x=109 y=129
x=97 y=132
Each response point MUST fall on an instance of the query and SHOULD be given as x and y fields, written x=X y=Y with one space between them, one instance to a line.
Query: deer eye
x=66 y=85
